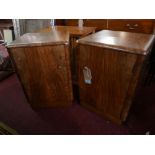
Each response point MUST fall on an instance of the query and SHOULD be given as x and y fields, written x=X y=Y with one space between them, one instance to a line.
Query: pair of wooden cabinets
x=42 y=61
x=109 y=67
x=128 y=25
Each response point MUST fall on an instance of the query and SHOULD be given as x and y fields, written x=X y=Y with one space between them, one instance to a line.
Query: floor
x=17 y=113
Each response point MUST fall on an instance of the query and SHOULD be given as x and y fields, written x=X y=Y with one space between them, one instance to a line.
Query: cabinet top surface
x=136 y=43
x=38 y=39
x=50 y=36
x=72 y=30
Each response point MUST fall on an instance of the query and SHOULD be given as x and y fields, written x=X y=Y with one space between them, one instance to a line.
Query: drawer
x=100 y=24
x=60 y=22
x=71 y=22
x=139 y=26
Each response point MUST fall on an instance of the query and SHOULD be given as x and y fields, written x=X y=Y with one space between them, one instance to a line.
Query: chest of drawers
x=128 y=25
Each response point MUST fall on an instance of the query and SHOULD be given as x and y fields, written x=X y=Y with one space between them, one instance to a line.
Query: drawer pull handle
x=136 y=25
x=132 y=27
x=128 y=25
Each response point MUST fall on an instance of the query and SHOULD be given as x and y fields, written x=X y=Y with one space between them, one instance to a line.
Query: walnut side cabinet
x=43 y=65
x=109 y=69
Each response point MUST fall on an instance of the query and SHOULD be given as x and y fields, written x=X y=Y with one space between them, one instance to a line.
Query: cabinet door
x=45 y=74
x=138 y=26
x=111 y=73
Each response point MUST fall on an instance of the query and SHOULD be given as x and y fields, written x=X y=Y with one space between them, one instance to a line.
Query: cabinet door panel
x=111 y=75
x=44 y=73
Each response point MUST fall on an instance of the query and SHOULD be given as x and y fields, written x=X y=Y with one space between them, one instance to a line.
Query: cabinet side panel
x=134 y=83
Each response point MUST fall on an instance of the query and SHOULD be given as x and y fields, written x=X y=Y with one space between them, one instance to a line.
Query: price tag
x=87 y=75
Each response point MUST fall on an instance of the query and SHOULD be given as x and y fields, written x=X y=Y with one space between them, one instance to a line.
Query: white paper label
x=87 y=75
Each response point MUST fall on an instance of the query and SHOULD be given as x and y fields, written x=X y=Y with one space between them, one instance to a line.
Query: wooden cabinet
x=43 y=65
x=128 y=25
x=109 y=68
x=138 y=26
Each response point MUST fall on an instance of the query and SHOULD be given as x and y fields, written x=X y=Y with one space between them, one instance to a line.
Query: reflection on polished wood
x=71 y=30
x=39 y=39
x=52 y=35
x=136 y=43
